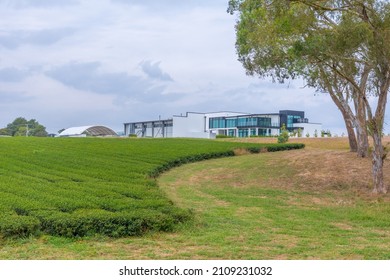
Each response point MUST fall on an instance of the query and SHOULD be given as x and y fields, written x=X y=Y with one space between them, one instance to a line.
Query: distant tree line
x=22 y=127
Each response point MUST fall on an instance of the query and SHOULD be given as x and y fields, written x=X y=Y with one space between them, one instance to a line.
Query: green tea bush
x=285 y=147
x=16 y=225
x=115 y=224
x=221 y=136
x=77 y=187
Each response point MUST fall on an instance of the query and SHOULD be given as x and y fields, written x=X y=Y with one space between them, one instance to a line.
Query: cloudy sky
x=80 y=62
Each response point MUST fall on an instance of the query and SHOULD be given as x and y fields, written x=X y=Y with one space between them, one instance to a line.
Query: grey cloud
x=7 y=98
x=154 y=71
x=12 y=74
x=171 y=7
x=87 y=77
x=168 y=5
x=22 y=4
x=14 y=39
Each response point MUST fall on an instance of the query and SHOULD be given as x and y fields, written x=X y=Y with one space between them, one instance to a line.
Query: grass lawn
x=304 y=204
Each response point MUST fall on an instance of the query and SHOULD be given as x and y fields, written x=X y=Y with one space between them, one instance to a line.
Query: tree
x=21 y=127
x=3 y=131
x=299 y=132
x=14 y=127
x=288 y=39
x=283 y=136
x=340 y=47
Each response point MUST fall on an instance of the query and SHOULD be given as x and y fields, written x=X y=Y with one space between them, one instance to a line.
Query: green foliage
x=283 y=136
x=76 y=187
x=12 y=224
x=299 y=132
x=21 y=127
x=221 y=136
x=3 y=131
x=285 y=147
x=326 y=133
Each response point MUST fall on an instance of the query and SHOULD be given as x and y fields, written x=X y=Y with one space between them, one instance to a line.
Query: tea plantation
x=85 y=186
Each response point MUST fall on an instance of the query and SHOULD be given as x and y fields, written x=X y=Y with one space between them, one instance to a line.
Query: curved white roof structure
x=90 y=130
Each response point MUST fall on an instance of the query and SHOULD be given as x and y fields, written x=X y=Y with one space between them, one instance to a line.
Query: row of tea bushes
x=76 y=187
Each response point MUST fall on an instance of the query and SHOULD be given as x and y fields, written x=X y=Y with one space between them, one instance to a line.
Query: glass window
x=265 y=122
x=243 y=133
x=222 y=123
x=217 y=123
x=290 y=121
x=247 y=122
x=262 y=132
x=232 y=132
x=231 y=122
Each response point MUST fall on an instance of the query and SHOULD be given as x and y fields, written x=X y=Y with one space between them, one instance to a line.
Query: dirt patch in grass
x=343 y=226
x=241 y=152
x=319 y=170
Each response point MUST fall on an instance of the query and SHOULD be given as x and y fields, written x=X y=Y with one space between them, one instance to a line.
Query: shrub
x=20 y=226
x=284 y=147
x=283 y=136
x=221 y=136
x=85 y=222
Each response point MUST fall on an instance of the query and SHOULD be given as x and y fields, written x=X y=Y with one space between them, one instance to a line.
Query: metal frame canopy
x=92 y=130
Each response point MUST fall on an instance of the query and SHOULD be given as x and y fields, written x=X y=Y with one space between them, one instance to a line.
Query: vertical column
x=162 y=125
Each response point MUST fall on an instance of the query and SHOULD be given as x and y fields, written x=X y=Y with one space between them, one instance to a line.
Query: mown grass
x=311 y=204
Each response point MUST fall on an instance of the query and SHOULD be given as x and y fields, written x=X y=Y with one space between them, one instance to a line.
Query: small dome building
x=84 y=131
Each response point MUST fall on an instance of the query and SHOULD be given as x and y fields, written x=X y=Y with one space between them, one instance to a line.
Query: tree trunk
x=378 y=157
x=348 y=119
x=362 y=138
x=375 y=126
x=353 y=144
x=361 y=127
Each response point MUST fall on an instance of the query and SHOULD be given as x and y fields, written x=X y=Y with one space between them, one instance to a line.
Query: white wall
x=192 y=125
x=309 y=128
x=275 y=121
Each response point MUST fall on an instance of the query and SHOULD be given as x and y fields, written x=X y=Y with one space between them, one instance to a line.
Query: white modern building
x=234 y=124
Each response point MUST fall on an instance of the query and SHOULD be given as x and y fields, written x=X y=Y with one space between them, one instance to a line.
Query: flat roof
x=164 y=120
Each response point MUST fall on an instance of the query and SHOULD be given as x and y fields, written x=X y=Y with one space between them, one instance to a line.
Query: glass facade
x=256 y=125
x=262 y=132
x=247 y=122
x=217 y=123
x=243 y=133
x=232 y=132
x=264 y=122
x=240 y=122
x=289 y=117
x=231 y=123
